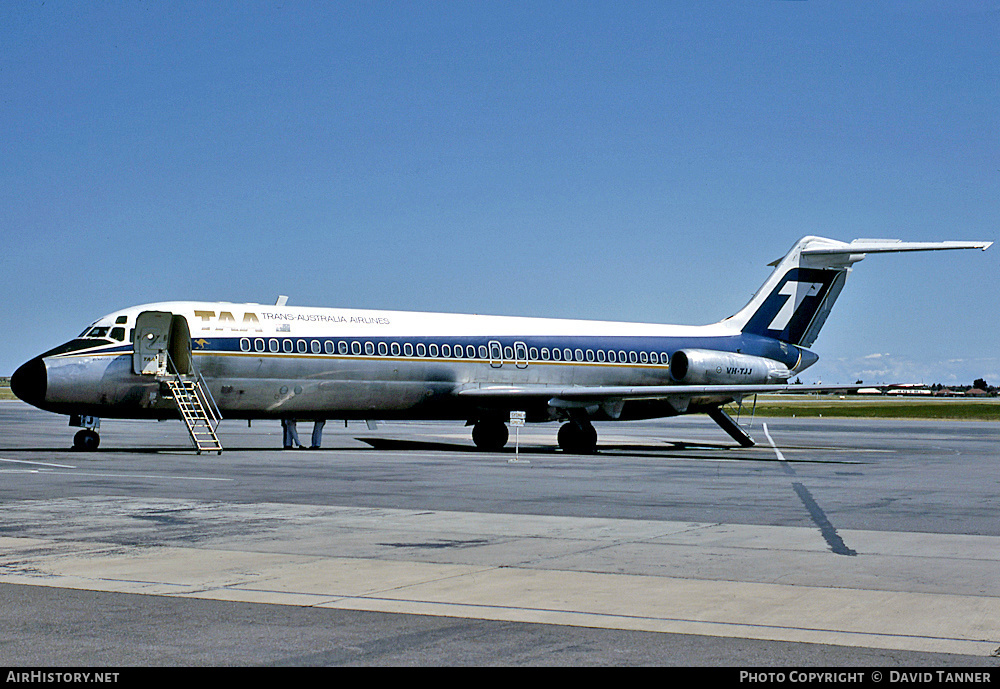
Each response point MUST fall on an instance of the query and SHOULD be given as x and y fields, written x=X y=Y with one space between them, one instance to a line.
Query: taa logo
x=796 y=292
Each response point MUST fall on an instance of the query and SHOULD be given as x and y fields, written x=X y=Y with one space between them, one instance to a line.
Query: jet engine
x=709 y=367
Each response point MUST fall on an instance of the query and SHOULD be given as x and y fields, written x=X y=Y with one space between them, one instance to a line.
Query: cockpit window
x=118 y=334
x=99 y=331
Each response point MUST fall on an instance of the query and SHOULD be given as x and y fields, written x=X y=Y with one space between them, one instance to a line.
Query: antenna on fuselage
x=282 y=300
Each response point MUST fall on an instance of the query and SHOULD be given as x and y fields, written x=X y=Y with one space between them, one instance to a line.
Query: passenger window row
x=448 y=351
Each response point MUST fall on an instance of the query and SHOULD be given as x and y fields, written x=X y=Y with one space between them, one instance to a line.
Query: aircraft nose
x=29 y=381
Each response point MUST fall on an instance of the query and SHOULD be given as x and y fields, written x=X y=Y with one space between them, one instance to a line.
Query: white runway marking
x=781 y=457
x=43 y=464
x=153 y=476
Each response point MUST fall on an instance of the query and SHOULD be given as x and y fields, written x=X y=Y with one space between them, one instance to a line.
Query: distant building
x=909 y=389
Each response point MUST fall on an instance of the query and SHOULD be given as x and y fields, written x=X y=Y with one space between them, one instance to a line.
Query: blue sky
x=607 y=160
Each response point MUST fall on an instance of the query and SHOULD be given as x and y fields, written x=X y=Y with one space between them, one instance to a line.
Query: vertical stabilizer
x=794 y=302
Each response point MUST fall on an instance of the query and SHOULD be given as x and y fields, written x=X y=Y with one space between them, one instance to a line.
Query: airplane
x=202 y=361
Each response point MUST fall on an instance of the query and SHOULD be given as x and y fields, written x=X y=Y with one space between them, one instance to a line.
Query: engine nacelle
x=709 y=367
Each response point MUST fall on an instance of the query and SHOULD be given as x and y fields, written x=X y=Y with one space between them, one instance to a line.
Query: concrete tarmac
x=831 y=543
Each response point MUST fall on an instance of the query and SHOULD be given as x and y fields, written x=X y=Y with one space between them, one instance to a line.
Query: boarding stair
x=197 y=408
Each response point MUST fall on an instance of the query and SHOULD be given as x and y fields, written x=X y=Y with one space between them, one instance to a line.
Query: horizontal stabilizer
x=882 y=246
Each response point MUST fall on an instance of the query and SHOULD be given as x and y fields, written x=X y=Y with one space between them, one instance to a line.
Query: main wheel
x=489 y=435
x=86 y=440
x=578 y=439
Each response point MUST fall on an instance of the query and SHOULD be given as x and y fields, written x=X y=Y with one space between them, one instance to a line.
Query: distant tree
x=980 y=384
x=859 y=382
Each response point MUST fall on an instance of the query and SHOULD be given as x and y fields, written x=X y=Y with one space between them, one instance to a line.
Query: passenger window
x=446 y=350
x=383 y=349
x=556 y=354
x=482 y=351
x=470 y=352
x=258 y=345
x=600 y=355
x=300 y=346
x=421 y=349
x=533 y=353
x=286 y=345
x=567 y=354
x=654 y=358
x=315 y=347
x=545 y=353
x=356 y=348
x=407 y=349
x=272 y=345
x=369 y=348
x=395 y=349
x=245 y=344
x=644 y=357
x=632 y=357
x=328 y=346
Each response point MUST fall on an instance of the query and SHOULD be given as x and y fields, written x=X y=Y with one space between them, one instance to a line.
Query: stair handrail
x=215 y=415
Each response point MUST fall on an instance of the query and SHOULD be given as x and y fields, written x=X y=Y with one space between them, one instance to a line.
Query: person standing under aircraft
x=290 y=435
x=317 y=436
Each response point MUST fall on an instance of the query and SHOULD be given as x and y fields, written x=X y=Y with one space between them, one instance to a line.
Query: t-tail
x=796 y=299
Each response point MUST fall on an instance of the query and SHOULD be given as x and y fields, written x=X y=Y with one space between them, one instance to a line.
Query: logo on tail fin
x=797 y=292
x=789 y=311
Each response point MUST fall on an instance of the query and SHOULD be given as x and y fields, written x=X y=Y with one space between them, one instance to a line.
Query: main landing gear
x=490 y=434
x=577 y=436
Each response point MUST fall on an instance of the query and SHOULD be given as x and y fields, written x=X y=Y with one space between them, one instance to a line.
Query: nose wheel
x=86 y=440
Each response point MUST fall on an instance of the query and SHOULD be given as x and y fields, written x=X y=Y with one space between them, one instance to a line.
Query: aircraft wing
x=601 y=393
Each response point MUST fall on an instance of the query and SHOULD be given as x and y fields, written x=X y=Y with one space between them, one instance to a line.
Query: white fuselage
x=262 y=361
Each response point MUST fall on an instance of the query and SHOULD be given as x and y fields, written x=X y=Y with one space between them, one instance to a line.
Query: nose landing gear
x=87 y=439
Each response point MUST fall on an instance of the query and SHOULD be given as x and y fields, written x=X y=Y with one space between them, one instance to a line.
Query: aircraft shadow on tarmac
x=677 y=449
x=632 y=450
